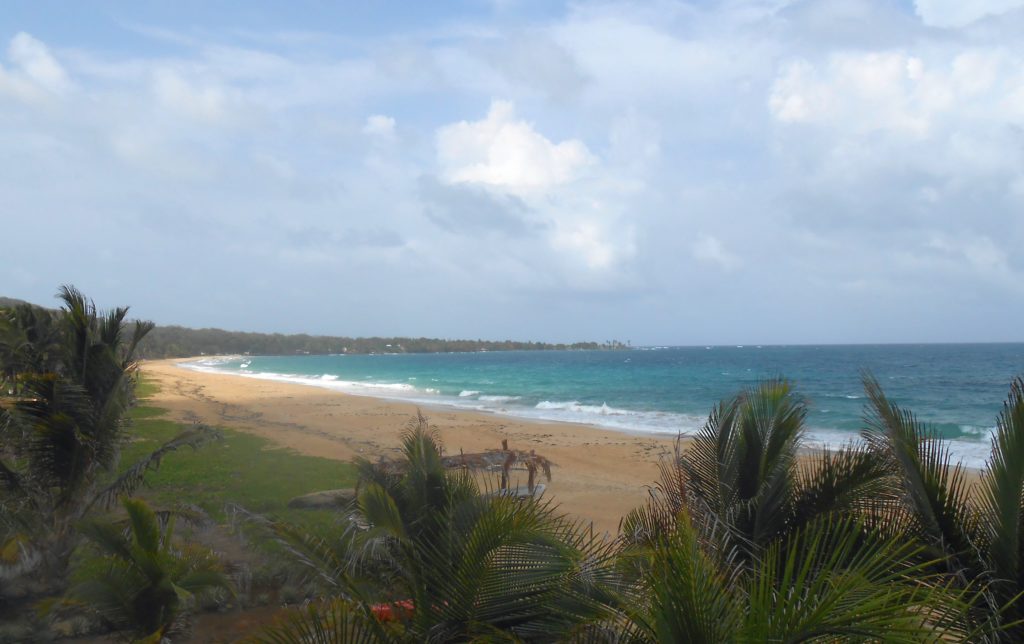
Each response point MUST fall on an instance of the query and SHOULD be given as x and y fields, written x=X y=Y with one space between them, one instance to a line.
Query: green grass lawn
x=242 y=469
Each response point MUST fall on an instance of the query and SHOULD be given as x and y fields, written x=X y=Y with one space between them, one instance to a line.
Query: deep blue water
x=957 y=388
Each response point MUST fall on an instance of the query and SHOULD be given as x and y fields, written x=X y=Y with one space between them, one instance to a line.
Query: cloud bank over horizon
x=751 y=171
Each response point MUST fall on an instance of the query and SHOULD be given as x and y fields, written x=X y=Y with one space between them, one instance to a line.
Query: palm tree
x=830 y=580
x=980 y=531
x=446 y=562
x=62 y=438
x=744 y=539
x=742 y=475
x=740 y=541
x=29 y=343
x=143 y=581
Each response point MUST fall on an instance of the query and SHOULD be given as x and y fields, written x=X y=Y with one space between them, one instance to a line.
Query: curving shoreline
x=600 y=474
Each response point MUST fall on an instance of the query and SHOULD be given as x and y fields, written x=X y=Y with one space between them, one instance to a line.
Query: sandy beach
x=599 y=476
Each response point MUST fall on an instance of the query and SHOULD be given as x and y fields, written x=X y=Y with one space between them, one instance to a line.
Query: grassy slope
x=242 y=469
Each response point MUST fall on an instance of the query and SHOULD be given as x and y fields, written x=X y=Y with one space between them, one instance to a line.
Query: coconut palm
x=29 y=343
x=831 y=580
x=744 y=539
x=742 y=475
x=447 y=562
x=979 y=531
x=62 y=438
x=144 y=581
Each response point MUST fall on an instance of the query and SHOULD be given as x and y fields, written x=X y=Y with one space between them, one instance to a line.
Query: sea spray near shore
x=959 y=389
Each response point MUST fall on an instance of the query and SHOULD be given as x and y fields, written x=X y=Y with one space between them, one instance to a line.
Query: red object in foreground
x=392 y=612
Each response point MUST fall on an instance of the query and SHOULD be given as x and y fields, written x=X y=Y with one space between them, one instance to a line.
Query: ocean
x=958 y=389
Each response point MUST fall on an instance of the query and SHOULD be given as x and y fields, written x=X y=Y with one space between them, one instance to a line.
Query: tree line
x=177 y=342
x=172 y=341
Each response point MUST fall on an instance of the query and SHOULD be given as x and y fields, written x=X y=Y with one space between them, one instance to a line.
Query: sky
x=740 y=171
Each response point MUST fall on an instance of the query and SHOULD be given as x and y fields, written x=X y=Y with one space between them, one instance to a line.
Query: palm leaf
x=330 y=562
x=688 y=596
x=848 y=479
x=1002 y=490
x=934 y=491
x=334 y=622
x=109 y=537
x=143 y=525
x=133 y=477
x=381 y=512
x=834 y=580
x=740 y=467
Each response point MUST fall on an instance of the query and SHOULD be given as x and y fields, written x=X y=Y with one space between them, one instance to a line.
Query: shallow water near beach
x=958 y=389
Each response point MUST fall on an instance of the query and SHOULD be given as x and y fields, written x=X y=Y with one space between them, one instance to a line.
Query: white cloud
x=899 y=92
x=204 y=102
x=379 y=125
x=880 y=155
x=507 y=153
x=590 y=241
x=35 y=72
x=574 y=202
x=39 y=65
x=874 y=91
x=959 y=13
x=976 y=252
x=708 y=249
x=632 y=55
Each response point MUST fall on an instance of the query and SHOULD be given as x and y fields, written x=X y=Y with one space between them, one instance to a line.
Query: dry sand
x=599 y=475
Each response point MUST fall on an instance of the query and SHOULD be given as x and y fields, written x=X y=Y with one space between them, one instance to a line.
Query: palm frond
x=666 y=499
x=1002 y=490
x=132 y=478
x=740 y=466
x=835 y=580
x=381 y=512
x=334 y=622
x=140 y=330
x=934 y=490
x=710 y=459
x=108 y=537
x=330 y=562
x=142 y=581
x=515 y=566
x=143 y=525
x=11 y=481
x=848 y=479
x=688 y=596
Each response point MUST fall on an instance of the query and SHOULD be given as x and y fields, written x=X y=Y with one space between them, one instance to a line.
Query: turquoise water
x=957 y=388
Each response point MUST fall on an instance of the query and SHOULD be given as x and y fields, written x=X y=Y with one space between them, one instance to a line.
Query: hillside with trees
x=176 y=341
x=180 y=342
x=10 y=302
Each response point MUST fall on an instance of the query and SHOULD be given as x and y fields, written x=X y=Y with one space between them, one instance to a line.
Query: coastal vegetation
x=71 y=379
x=170 y=341
x=746 y=536
x=177 y=342
x=141 y=580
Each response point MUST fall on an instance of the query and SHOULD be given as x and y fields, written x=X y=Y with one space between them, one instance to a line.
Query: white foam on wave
x=971 y=453
x=209 y=365
x=975 y=430
x=603 y=409
x=625 y=420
